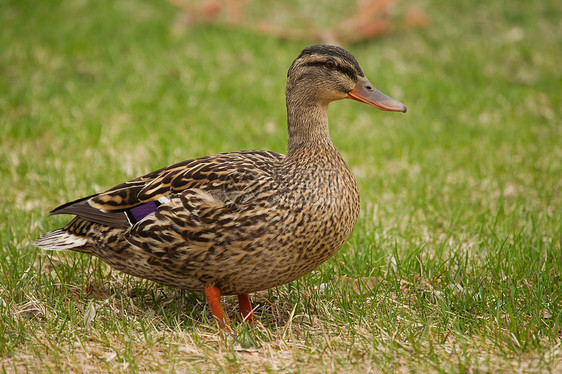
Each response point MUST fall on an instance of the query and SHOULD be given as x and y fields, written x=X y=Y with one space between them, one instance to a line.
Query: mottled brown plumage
x=240 y=222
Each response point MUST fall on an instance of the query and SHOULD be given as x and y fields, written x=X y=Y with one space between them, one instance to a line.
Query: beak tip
x=395 y=106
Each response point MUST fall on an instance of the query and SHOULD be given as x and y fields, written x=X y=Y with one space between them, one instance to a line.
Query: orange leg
x=245 y=308
x=214 y=299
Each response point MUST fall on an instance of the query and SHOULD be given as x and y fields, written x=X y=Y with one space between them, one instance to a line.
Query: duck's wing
x=224 y=176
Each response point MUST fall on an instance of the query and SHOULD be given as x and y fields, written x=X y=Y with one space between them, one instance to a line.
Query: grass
x=455 y=265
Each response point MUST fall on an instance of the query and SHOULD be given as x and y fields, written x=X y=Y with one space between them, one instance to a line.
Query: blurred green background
x=464 y=190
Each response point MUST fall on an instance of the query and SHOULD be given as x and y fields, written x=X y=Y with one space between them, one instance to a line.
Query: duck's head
x=324 y=73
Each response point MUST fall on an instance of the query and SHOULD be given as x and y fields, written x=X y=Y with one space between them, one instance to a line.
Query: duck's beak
x=366 y=92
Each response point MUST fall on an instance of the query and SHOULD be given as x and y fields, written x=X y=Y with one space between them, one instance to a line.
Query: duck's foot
x=214 y=299
x=247 y=313
x=245 y=307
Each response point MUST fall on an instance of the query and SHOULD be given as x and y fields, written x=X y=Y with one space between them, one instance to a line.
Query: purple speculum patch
x=137 y=213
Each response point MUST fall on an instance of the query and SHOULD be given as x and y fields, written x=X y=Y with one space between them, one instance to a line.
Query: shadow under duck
x=240 y=222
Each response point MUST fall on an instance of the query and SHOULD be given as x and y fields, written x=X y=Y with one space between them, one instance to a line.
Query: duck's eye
x=330 y=64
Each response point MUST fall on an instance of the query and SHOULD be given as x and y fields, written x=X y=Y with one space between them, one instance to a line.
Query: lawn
x=455 y=264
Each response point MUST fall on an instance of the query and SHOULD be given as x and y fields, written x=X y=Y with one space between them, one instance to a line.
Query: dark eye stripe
x=347 y=71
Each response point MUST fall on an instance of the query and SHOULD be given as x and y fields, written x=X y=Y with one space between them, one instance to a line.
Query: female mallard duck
x=239 y=222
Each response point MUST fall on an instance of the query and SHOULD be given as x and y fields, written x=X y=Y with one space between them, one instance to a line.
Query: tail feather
x=58 y=240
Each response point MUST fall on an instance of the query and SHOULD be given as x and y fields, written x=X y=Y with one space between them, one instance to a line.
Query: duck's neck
x=308 y=127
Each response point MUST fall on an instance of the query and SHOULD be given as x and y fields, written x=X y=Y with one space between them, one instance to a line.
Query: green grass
x=459 y=238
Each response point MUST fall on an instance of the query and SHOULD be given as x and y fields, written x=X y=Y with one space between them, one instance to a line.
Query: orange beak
x=365 y=92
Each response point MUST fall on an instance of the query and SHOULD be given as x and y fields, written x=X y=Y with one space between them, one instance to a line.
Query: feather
x=58 y=240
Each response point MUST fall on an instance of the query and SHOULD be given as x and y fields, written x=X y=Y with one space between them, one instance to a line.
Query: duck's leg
x=214 y=299
x=245 y=308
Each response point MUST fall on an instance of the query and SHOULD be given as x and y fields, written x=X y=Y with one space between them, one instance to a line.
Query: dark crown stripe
x=332 y=51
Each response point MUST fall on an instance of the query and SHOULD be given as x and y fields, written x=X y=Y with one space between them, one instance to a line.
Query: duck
x=240 y=222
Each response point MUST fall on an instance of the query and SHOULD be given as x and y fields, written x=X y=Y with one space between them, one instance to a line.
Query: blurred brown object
x=300 y=20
